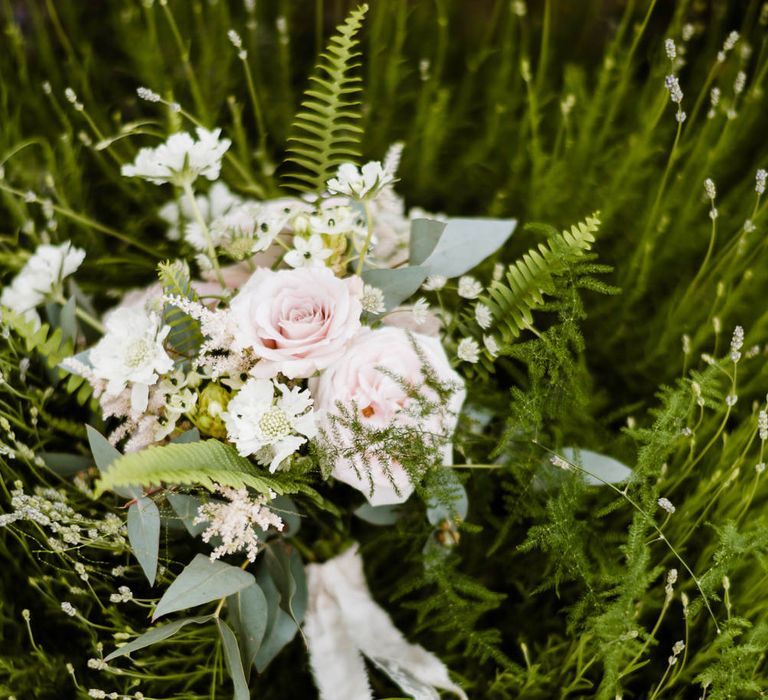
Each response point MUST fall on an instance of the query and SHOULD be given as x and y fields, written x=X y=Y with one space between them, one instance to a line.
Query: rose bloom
x=357 y=379
x=296 y=321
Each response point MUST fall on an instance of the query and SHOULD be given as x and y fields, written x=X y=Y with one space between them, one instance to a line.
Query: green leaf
x=325 y=132
x=287 y=571
x=66 y=464
x=68 y=320
x=377 y=515
x=202 y=581
x=598 y=468
x=158 y=634
x=144 y=535
x=465 y=243
x=191 y=435
x=281 y=628
x=105 y=454
x=286 y=508
x=249 y=614
x=425 y=233
x=205 y=462
x=454 y=505
x=185 y=506
x=185 y=336
x=233 y=661
x=398 y=284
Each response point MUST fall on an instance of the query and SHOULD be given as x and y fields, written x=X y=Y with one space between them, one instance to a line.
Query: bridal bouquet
x=268 y=424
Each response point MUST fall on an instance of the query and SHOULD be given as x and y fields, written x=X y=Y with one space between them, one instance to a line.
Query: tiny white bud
x=666 y=504
x=671 y=50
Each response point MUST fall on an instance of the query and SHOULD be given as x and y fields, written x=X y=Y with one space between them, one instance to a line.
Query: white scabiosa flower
x=483 y=316
x=469 y=287
x=181 y=159
x=360 y=184
x=131 y=353
x=272 y=428
x=373 y=300
x=308 y=252
x=235 y=522
x=468 y=350
x=41 y=277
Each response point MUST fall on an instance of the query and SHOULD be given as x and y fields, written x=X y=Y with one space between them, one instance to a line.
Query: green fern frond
x=325 y=132
x=203 y=463
x=185 y=336
x=513 y=299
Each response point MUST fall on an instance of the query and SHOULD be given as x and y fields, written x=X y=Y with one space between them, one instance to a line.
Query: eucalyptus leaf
x=598 y=468
x=191 y=435
x=201 y=582
x=65 y=464
x=397 y=285
x=425 y=233
x=281 y=628
x=233 y=661
x=465 y=243
x=105 y=454
x=248 y=614
x=68 y=319
x=377 y=515
x=144 y=535
x=158 y=634
x=455 y=505
x=83 y=358
x=287 y=571
x=185 y=506
x=286 y=508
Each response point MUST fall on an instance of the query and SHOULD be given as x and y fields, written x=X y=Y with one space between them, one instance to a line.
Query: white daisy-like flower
x=40 y=277
x=483 y=316
x=373 y=300
x=333 y=218
x=308 y=252
x=434 y=283
x=181 y=159
x=420 y=310
x=259 y=423
x=491 y=345
x=235 y=522
x=469 y=287
x=468 y=350
x=360 y=184
x=131 y=353
x=247 y=228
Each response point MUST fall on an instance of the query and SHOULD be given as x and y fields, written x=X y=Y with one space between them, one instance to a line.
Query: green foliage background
x=556 y=589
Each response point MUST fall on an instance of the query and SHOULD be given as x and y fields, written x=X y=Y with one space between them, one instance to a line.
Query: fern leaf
x=203 y=463
x=325 y=132
x=513 y=299
x=185 y=336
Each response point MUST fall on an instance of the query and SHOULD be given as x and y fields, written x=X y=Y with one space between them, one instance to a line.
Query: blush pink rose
x=357 y=379
x=296 y=321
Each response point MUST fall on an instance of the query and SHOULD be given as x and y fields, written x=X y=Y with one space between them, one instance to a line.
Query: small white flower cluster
x=123 y=595
x=236 y=522
x=666 y=504
x=41 y=278
x=669 y=589
x=728 y=45
x=675 y=95
x=760 y=177
x=737 y=342
x=49 y=509
x=677 y=649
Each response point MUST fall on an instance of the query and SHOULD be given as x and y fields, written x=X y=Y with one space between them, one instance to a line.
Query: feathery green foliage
x=185 y=336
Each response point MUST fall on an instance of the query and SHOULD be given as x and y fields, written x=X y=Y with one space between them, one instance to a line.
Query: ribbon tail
x=337 y=665
x=412 y=667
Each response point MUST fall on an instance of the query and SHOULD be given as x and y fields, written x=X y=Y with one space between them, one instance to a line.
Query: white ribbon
x=343 y=623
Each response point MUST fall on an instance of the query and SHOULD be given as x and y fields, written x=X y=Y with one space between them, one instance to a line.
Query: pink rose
x=296 y=321
x=381 y=400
